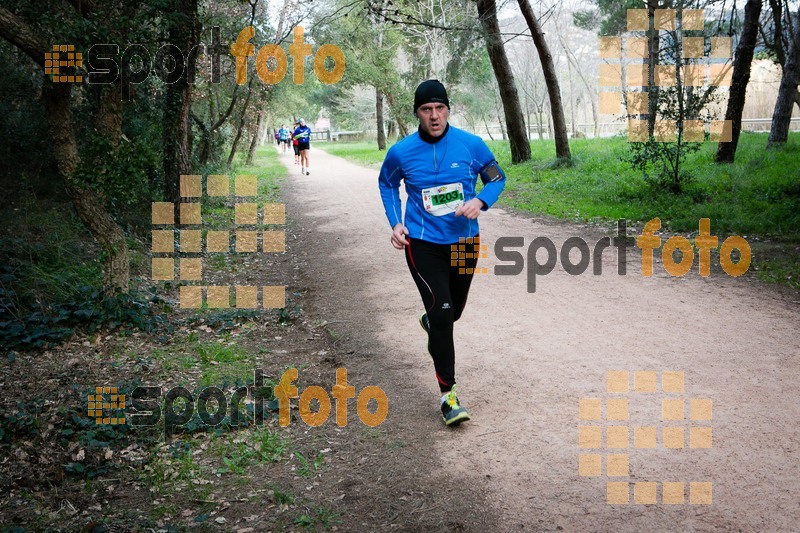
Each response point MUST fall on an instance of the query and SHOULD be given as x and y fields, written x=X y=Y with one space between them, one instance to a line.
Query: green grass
x=363 y=153
x=269 y=171
x=758 y=194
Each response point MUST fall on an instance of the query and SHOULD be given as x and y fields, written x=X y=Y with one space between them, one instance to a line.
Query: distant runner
x=294 y=145
x=303 y=136
x=439 y=165
x=284 y=135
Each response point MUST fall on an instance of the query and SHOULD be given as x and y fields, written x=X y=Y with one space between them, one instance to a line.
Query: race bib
x=443 y=199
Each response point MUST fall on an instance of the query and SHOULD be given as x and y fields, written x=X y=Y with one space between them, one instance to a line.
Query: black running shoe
x=452 y=412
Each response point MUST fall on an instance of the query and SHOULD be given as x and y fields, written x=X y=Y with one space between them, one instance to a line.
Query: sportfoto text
x=647 y=242
x=170 y=64
x=147 y=403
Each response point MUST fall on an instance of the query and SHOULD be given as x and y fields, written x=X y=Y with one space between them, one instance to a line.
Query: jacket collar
x=425 y=136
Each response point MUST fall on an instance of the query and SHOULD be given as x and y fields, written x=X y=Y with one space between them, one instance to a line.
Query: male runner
x=303 y=136
x=440 y=165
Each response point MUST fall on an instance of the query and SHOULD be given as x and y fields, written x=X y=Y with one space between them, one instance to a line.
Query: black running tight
x=444 y=293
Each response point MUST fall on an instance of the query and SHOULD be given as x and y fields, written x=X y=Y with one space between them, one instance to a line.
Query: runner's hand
x=470 y=209
x=398 y=239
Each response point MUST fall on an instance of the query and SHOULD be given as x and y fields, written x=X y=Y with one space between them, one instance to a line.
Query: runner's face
x=433 y=118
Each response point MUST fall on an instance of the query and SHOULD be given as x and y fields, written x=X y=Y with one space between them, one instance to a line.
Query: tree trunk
x=515 y=122
x=782 y=116
x=398 y=116
x=58 y=114
x=88 y=204
x=379 y=119
x=550 y=79
x=183 y=33
x=589 y=88
x=652 y=61
x=488 y=131
x=254 y=143
x=726 y=151
x=240 y=128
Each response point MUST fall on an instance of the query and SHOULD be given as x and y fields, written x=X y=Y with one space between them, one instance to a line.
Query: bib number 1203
x=446 y=198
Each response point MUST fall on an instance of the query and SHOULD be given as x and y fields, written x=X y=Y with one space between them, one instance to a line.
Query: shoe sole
x=456 y=420
x=422 y=324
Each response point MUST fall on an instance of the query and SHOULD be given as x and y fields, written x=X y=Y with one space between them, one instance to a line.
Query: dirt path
x=524 y=361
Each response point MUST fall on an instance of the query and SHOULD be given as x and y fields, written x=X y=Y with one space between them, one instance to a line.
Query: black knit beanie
x=430 y=91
